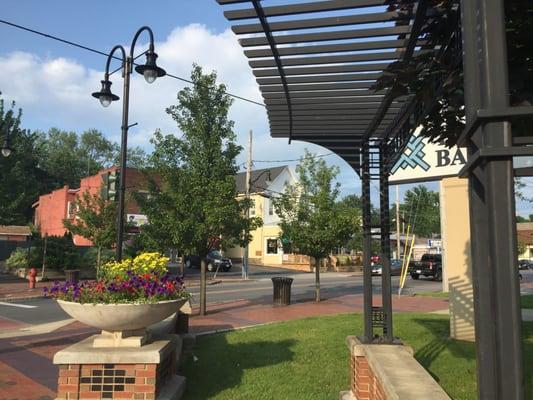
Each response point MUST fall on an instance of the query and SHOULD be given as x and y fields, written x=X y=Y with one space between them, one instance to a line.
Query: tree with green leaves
x=422 y=209
x=21 y=177
x=437 y=82
x=96 y=152
x=354 y=203
x=195 y=206
x=95 y=220
x=311 y=219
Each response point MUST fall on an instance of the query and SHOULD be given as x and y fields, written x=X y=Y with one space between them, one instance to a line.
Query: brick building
x=52 y=208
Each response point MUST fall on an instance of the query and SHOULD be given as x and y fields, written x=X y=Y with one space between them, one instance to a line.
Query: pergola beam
x=302 y=8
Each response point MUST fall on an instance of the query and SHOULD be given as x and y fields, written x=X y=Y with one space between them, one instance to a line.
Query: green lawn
x=433 y=294
x=308 y=360
x=527 y=301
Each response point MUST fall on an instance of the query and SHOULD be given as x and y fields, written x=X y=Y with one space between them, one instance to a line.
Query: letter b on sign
x=443 y=158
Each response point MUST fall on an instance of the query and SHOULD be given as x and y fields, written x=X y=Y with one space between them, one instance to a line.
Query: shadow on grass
x=223 y=366
x=439 y=330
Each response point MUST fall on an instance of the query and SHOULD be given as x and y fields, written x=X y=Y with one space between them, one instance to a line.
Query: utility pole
x=397 y=221
x=248 y=181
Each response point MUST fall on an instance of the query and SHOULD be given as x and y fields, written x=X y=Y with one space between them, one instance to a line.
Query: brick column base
x=381 y=371
x=129 y=377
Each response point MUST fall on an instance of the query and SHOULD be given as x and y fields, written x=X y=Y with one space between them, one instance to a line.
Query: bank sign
x=425 y=161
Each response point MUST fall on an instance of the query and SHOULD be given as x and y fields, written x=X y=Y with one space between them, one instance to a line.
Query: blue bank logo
x=413 y=155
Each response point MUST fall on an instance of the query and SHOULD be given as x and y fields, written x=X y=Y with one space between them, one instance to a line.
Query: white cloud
x=57 y=92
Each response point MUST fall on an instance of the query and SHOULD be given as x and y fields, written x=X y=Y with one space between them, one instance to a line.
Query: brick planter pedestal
x=388 y=372
x=143 y=373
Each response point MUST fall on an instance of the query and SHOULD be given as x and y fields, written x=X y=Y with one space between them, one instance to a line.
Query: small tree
x=195 y=206
x=311 y=219
x=95 y=220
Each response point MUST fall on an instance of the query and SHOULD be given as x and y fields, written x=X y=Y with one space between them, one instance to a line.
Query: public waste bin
x=282 y=290
x=72 y=275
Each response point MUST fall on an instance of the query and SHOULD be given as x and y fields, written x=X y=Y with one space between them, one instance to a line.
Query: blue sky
x=52 y=81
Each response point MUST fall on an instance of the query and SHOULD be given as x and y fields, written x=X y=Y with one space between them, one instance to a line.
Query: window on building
x=272 y=246
x=252 y=210
x=71 y=209
x=270 y=207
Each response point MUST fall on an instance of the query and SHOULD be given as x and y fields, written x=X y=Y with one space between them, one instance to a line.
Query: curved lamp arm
x=134 y=41
x=110 y=56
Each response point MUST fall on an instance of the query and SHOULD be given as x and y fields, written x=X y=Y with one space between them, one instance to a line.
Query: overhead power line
x=295 y=159
x=87 y=48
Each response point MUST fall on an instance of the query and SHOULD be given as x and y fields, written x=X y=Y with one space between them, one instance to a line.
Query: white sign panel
x=425 y=161
x=137 y=219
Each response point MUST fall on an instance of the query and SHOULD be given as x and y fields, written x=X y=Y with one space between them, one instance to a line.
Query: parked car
x=214 y=261
x=429 y=265
x=525 y=264
x=395 y=268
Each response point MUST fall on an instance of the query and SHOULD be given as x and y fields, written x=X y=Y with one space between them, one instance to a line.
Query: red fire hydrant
x=32 y=277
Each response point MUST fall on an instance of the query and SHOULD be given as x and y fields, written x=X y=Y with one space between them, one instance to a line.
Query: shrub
x=89 y=258
x=61 y=253
x=17 y=259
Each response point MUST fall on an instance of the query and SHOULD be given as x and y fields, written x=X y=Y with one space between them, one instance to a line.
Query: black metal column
x=492 y=207
x=385 y=243
x=367 y=245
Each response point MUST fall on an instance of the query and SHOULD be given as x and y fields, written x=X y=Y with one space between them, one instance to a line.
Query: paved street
x=230 y=288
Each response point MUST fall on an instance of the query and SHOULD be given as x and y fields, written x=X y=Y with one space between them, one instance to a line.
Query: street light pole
x=248 y=184
x=123 y=156
x=151 y=72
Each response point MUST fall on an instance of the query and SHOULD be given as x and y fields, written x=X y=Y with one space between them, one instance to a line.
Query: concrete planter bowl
x=121 y=317
x=121 y=324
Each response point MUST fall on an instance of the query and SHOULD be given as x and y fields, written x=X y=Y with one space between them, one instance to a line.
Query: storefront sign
x=425 y=161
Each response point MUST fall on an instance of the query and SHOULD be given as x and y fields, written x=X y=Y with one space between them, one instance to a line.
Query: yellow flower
x=142 y=264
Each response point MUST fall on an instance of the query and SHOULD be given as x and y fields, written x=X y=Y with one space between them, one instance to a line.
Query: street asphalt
x=258 y=288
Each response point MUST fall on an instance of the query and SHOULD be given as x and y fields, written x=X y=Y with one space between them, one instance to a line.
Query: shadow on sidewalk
x=210 y=366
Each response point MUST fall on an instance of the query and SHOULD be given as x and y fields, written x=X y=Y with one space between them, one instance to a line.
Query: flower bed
x=143 y=279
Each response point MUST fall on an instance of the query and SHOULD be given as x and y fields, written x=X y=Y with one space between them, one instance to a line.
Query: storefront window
x=272 y=246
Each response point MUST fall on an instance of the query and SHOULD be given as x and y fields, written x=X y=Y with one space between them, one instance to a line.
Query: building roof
x=524 y=226
x=259 y=178
x=525 y=236
x=15 y=230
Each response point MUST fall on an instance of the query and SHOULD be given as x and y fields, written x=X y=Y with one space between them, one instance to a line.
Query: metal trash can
x=72 y=275
x=282 y=290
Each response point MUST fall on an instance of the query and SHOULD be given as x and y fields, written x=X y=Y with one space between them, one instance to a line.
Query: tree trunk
x=203 y=286
x=317 y=279
x=98 y=258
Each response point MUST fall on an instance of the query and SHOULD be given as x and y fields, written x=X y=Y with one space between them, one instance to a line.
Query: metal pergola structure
x=316 y=64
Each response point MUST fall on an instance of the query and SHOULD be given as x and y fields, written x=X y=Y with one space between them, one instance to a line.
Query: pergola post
x=367 y=245
x=492 y=215
x=385 y=243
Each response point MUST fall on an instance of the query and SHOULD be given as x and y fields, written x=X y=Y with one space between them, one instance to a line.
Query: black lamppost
x=151 y=72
